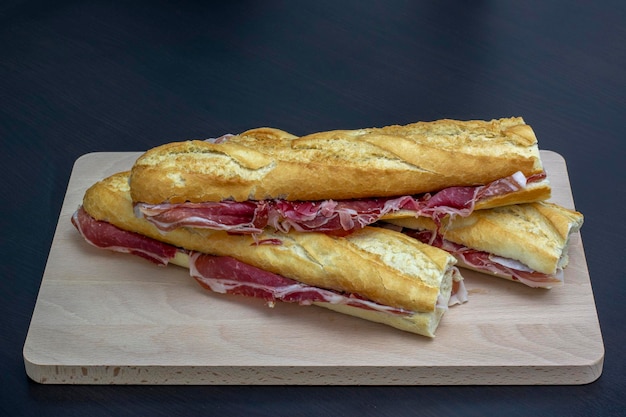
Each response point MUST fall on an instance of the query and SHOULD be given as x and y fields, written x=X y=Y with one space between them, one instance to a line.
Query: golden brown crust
x=535 y=234
x=341 y=164
x=383 y=266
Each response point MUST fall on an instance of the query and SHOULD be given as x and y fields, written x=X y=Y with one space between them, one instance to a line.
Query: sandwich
x=339 y=181
x=380 y=275
x=526 y=243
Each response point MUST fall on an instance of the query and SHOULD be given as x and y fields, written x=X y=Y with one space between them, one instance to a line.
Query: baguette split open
x=341 y=180
x=527 y=243
x=376 y=274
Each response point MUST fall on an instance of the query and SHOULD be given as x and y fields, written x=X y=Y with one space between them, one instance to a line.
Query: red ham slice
x=107 y=236
x=231 y=216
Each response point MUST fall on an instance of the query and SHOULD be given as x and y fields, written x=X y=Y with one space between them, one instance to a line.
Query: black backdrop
x=78 y=77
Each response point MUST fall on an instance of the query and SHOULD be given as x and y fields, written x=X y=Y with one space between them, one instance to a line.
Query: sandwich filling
x=337 y=218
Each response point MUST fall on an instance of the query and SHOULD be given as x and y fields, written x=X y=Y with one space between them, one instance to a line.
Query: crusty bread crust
x=341 y=164
x=536 y=234
x=381 y=265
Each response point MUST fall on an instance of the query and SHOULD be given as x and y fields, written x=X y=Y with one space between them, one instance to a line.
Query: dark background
x=84 y=76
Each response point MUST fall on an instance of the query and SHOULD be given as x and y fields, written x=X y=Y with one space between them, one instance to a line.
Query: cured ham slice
x=250 y=217
x=107 y=236
x=329 y=216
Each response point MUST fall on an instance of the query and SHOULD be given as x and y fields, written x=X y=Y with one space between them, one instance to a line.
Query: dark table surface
x=78 y=77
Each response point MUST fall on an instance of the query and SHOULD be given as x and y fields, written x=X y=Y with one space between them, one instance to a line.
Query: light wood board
x=109 y=318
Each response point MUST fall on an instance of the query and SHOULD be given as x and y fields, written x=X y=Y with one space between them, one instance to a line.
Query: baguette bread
x=381 y=265
x=422 y=323
x=535 y=234
x=268 y=163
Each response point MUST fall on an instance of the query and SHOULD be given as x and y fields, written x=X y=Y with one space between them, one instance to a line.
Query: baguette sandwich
x=526 y=243
x=338 y=181
x=376 y=274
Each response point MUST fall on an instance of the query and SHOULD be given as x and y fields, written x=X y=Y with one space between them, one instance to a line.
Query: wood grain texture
x=106 y=318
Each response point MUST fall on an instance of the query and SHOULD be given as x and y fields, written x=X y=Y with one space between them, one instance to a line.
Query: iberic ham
x=332 y=217
x=107 y=236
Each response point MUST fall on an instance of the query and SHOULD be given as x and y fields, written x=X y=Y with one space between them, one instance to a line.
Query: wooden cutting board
x=109 y=318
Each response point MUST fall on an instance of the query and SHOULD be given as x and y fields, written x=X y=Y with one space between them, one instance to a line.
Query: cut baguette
x=535 y=234
x=422 y=323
